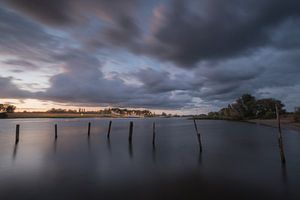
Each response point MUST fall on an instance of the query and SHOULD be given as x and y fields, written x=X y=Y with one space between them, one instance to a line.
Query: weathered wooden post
x=280 y=142
x=55 y=128
x=109 y=128
x=89 y=129
x=153 y=136
x=130 y=132
x=198 y=136
x=17 y=133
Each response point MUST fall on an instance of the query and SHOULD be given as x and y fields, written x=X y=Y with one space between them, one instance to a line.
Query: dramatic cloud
x=89 y=86
x=191 y=31
x=173 y=54
x=10 y=90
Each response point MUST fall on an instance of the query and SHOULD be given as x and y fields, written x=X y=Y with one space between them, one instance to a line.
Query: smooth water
x=239 y=160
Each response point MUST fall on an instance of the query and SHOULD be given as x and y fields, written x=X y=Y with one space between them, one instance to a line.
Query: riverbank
x=287 y=123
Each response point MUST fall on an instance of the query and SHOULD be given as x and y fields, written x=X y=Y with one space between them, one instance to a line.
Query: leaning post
x=280 y=142
x=198 y=135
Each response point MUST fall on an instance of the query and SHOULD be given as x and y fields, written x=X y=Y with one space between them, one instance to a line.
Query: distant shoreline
x=286 y=123
x=24 y=115
x=28 y=115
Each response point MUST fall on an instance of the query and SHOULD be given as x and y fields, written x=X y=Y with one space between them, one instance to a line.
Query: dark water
x=239 y=161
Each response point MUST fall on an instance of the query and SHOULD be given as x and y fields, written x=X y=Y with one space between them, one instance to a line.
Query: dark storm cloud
x=89 y=86
x=25 y=39
x=51 y=12
x=10 y=90
x=161 y=81
x=225 y=49
x=191 y=31
x=117 y=15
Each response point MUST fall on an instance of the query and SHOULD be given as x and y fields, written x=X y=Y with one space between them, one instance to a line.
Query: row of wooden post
x=280 y=141
x=89 y=132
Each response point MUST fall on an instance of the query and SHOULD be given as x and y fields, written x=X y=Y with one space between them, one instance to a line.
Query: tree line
x=6 y=108
x=248 y=107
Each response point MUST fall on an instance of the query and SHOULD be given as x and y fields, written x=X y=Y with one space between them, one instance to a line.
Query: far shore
x=17 y=115
x=286 y=123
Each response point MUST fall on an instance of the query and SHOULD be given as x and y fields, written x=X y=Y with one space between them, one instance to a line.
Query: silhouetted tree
x=297 y=114
x=10 y=109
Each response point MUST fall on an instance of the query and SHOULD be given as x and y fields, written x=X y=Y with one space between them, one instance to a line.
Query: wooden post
x=198 y=136
x=153 y=137
x=89 y=129
x=130 y=132
x=109 y=128
x=55 y=128
x=280 y=142
x=17 y=133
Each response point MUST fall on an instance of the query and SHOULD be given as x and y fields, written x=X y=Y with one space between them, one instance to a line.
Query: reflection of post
x=280 y=142
x=130 y=150
x=198 y=136
x=153 y=137
x=109 y=128
x=89 y=129
x=15 y=151
x=130 y=132
x=154 y=154
x=17 y=133
x=55 y=127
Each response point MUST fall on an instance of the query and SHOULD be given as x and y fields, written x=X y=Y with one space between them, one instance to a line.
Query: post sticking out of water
x=17 y=133
x=55 y=128
x=109 y=128
x=198 y=135
x=153 y=137
x=89 y=129
x=280 y=143
x=130 y=132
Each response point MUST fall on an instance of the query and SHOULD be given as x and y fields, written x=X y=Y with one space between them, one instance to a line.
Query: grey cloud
x=23 y=64
x=161 y=81
x=10 y=90
x=51 y=12
x=25 y=39
x=78 y=84
x=117 y=16
x=192 y=31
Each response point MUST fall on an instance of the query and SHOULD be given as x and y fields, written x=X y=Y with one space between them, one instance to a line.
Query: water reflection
x=89 y=143
x=130 y=149
x=55 y=145
x=108 y=145
x=200 y=158
x=154 y=153
x=15 y=151
x=284 y=173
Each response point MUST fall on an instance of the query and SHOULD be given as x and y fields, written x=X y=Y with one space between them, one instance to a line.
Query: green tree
x=265 y=108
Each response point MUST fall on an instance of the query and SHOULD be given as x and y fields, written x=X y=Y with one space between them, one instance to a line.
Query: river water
x=239 y=160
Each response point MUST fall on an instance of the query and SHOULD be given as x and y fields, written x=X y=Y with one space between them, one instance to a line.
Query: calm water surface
x=239 y=160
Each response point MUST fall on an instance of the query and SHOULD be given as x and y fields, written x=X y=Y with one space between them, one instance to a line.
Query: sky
x=182 y=56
